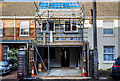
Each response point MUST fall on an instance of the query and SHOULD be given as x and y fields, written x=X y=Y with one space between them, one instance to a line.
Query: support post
x=27 y=60
x=83 y=48
x=48 y=58
x=88 y=60
x=95 y=41
x=35 y=44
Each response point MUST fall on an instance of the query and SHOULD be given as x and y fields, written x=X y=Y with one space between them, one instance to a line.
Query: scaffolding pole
x=35 y=45
x=48 y=58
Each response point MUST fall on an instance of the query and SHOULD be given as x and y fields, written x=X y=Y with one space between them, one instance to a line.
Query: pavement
x=11 y=75
x=104 y=75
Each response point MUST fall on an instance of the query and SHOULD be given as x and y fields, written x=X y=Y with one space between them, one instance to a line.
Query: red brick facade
x=8 y=30
x=8 y=34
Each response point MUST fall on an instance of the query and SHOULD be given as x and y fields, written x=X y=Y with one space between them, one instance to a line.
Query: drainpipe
x=14 y=29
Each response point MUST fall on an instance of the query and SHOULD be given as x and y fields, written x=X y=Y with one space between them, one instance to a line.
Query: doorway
x=65 y=57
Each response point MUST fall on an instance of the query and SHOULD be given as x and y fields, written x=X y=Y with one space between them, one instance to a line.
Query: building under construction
x=55 y=35
x=60 y=37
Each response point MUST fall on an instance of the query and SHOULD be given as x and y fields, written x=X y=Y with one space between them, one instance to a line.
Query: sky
x=60 y=0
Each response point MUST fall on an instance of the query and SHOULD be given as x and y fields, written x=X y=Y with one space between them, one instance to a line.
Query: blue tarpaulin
x=58 y=5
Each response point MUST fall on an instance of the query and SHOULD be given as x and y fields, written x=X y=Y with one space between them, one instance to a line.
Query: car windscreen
x=117 y=62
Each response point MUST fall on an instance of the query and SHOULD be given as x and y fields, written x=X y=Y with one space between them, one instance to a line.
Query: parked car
x=12 y=64
x=4 y=67
x=116 y=68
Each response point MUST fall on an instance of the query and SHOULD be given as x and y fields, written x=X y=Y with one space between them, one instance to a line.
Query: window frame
x=71 y=24
x=108 y=54
x=24 y=28
x=76 y=26
x=1 y=28
x=108 y=28
x=7 y=51
x=48 y=29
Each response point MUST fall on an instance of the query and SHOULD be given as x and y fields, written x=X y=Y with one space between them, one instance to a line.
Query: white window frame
x=47 y=30
x=108 y=28
x=24 y=28
x=71 y=30
x=1 y=28
x=76 y=26
x=7 y=50
x=109 y=53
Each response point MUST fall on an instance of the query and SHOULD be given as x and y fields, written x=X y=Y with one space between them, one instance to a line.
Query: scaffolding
x=58 y=12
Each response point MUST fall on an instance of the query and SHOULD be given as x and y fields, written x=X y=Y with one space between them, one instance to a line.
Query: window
x=74 y=26
x=1 y=28
x=45 y=25
x=51 y=26
x=6 y=48
x=24 y=28
x=67 y=26
x=108 y=53
x=70 y=26
x=108 y=27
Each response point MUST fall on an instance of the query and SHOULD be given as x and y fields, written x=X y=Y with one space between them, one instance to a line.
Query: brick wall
x=8 y=30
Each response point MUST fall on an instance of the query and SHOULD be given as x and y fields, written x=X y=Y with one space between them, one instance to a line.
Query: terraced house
x=69 y=35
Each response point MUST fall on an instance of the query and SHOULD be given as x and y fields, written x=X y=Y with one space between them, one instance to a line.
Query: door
x=65 y=57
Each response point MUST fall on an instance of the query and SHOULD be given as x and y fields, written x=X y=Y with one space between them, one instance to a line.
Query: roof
x=18 y=8
x=28 y=8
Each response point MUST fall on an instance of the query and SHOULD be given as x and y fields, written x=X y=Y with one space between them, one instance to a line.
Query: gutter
x=17 y=17
x=32 y=17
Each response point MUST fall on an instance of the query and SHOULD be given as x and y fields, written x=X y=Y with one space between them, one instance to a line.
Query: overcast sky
x=60 y=0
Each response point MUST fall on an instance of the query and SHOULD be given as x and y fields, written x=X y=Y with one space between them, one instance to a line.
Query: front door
x=65 y=57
